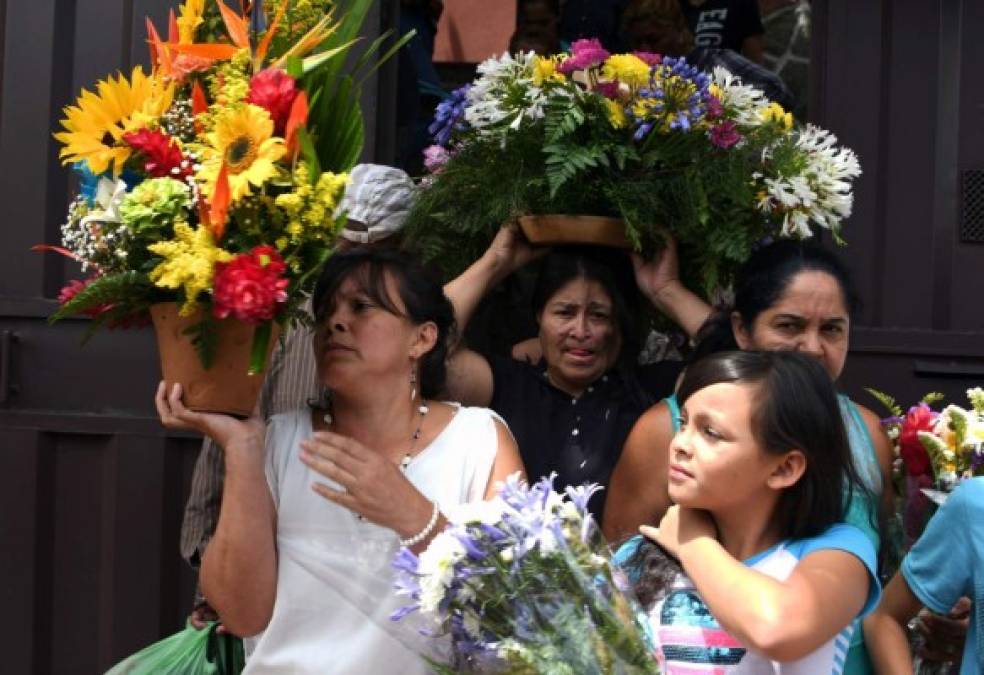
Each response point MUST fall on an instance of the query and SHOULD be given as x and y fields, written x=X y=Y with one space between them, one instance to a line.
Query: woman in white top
x=317 y=502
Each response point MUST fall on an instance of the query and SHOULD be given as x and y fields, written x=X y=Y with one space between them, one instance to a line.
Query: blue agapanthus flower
x=449 y=116
x=676 y=99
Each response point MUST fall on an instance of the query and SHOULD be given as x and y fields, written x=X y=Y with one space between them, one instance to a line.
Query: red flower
x=725 y=134
x=273 y=90
x=161 y=154
x=250 y=287
x=73 y=288
x=914 y=456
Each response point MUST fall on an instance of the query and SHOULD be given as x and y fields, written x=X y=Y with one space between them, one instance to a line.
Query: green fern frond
x=125 y=288
x=887 y=401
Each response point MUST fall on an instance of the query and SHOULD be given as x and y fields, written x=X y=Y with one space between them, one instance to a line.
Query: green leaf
x=888 y=402
x=258 y=352
x=205 y=338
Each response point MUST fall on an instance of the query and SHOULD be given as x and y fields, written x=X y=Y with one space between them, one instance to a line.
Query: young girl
x=771 y=579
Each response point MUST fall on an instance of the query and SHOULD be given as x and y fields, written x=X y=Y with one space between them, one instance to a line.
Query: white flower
x=109 y=195
x=436 y=567
x=504 y=90
x=486 y=512
x=745 y=101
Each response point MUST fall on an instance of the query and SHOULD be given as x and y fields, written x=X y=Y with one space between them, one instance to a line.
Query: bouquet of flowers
x=647 y=139
x=212 y=180
x=525 y=584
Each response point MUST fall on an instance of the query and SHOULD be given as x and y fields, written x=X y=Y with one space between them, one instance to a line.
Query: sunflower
x=243 y=140
x=95 y=126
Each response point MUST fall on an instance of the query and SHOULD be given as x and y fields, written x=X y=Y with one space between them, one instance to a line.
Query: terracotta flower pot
x=567 y=229
x=226 y=387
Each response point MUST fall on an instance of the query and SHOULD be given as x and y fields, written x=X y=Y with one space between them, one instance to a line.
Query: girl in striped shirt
x=752 y=570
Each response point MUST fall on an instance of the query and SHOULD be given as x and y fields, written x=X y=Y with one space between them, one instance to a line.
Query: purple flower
x=585 y=54
x=471 y=546
x=435 y=157
x=607 y=89
x=725 y=134
x=450 y=116
x=406 y=561
x=714 y=107
x=403 y=611
x=580 y=495
x=650 y=58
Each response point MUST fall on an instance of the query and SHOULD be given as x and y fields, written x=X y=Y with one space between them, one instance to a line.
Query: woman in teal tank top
x=793 y=296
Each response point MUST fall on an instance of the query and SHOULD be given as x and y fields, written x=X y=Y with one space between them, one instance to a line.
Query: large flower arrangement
x=647 y=139
x=212 y=180
x=525 y=584
x=934 y=451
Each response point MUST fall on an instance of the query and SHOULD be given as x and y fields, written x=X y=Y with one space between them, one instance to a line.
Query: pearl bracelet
x=424 y=533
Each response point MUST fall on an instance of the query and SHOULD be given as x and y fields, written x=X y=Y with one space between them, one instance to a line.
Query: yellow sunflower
x=243 y=139
x=94 y=127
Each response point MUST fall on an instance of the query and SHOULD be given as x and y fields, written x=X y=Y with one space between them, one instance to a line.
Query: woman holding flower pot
x=571 y=412
x=316 y=503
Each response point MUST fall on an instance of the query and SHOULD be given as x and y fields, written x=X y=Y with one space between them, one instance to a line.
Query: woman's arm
x=884 y=629
x=637 y=492
x=659 y=281
x=783 y=620
x=469 y=375
x=239 y=568
x=507 y=459
x=885 y=456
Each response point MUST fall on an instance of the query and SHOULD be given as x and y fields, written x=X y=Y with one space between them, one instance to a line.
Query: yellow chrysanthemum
x=544 y=69
x=189 y=19
x=189 y=263
x=626 y=68
x=242 y=138
x=776 y=113
x=616 y=114
x=95 y=126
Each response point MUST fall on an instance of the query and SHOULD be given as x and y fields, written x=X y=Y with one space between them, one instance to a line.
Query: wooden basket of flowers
x=649 y=141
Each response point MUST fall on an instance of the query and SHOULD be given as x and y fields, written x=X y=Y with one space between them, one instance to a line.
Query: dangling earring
x=326 y=406
x=413 y=384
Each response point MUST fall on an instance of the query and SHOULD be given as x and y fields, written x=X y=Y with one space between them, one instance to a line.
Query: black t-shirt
x=579 y=438
x=723 y=23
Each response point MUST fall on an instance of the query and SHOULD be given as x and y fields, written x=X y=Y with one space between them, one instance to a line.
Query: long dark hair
x=761 y=282
x=420 y=293
x=795 y=406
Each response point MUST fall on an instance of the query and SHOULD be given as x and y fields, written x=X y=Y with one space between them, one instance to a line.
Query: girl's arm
x=884 y=629
x=783 y=620
x=637 y=492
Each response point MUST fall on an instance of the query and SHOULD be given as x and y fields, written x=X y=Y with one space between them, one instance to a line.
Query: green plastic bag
x=190 y=652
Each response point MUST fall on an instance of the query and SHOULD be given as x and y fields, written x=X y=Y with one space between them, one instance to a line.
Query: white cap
x=379 y=197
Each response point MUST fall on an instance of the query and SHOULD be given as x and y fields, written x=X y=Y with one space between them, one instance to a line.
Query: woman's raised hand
x=656 y=275
x=371 y=485
x=223 y=429
x=510 y=249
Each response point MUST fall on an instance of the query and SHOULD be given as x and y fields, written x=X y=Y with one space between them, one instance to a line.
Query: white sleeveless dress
x=334 y=580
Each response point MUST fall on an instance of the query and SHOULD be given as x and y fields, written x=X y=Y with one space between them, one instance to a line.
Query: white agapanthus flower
x=504 y=92
x=820 y=193
x=746 y=101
